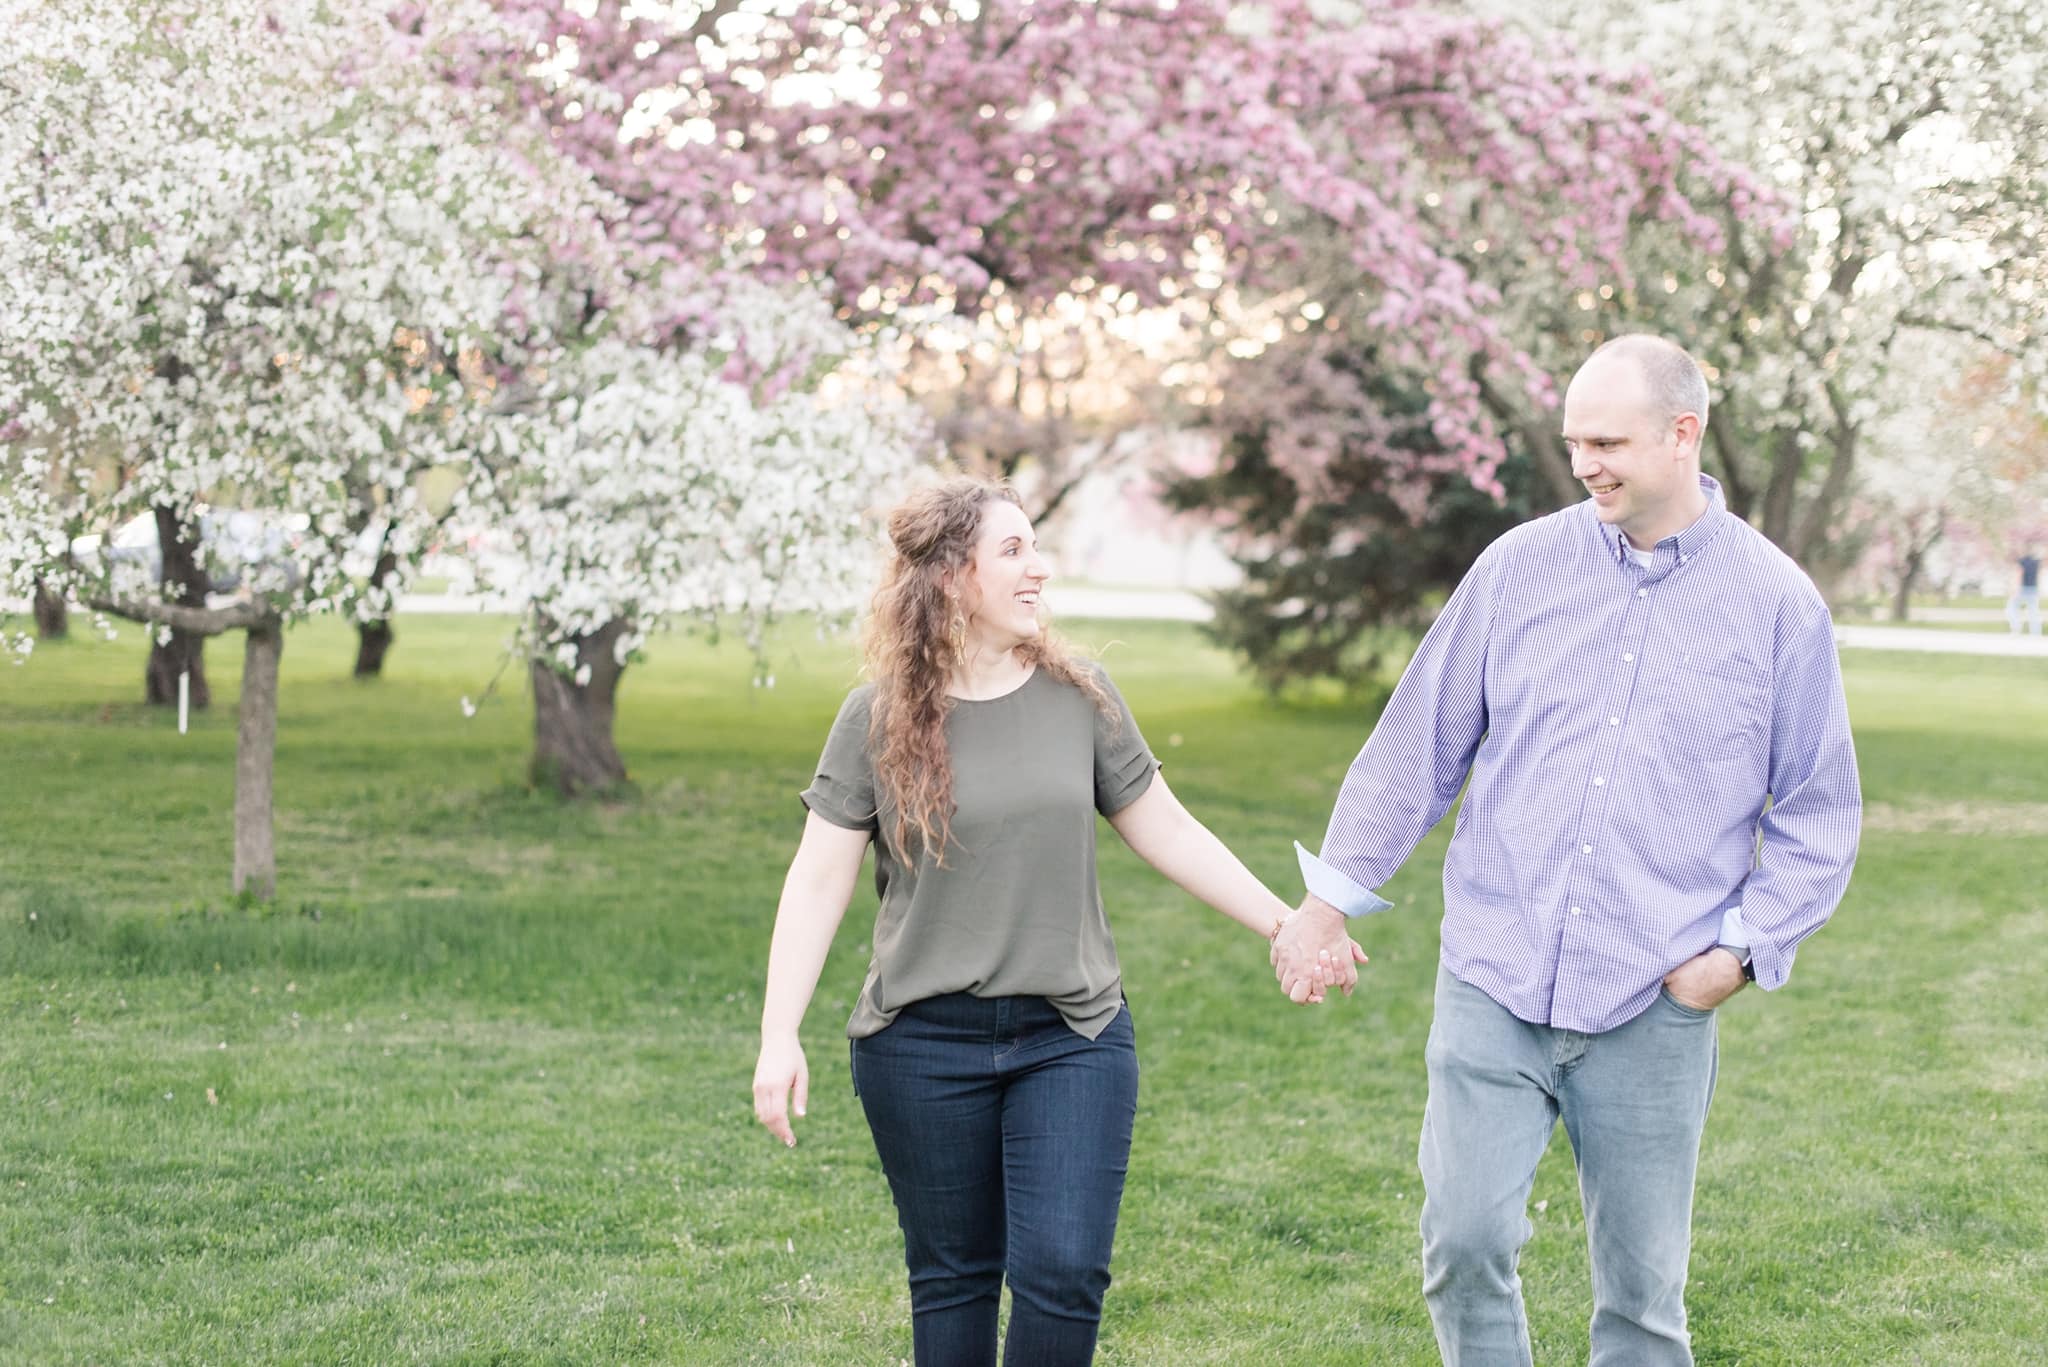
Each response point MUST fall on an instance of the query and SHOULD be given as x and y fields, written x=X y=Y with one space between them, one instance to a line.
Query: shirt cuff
x=1733 y=933
x=1333 y=887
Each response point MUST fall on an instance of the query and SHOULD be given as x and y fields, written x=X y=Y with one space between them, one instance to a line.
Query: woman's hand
x=780 y=1070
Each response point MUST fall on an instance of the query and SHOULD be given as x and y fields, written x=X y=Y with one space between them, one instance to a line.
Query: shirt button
x=1585 y=849
x=1642 y=593
x=1600 y=782
x=1614 y=721
x=1577 y=912
x=1629 y=658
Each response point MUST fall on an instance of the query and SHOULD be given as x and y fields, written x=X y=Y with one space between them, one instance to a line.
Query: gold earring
x=956 y=632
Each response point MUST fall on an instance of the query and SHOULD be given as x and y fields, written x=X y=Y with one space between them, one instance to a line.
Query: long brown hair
x=911 y=651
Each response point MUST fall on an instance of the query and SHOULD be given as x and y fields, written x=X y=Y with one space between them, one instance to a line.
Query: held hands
x=780 y=1070
x=1706 y=980
x=1311 y=953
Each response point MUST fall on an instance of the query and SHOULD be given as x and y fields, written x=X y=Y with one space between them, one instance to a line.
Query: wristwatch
x=1741 y=953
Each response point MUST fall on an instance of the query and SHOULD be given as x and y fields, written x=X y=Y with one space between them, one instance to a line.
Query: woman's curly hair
x=911 y=656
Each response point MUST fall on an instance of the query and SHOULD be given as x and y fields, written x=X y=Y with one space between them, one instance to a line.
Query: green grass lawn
x=475 y=1087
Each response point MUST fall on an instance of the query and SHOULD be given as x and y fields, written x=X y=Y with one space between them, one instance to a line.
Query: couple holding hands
x=1663 y=803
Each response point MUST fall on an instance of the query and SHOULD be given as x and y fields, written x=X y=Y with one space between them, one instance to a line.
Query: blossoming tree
x=249 y=259
x=954 y=159
x=720 y=479
x=1910 y=141
x=1959 y=465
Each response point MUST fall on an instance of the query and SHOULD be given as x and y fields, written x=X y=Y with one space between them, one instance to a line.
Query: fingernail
x=799 y=1110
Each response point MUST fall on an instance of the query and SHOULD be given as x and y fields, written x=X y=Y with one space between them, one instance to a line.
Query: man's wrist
x=1741 y=955
x=1318 y=906
x=1311 y=906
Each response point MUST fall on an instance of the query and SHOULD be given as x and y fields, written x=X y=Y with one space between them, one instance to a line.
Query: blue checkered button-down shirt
x=1650 y=748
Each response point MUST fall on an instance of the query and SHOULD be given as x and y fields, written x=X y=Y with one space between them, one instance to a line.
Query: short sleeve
x=1124 y=764
x=843 y=792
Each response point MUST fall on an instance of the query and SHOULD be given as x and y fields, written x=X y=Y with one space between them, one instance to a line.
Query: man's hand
x=1312 y=954
x=1707 y=980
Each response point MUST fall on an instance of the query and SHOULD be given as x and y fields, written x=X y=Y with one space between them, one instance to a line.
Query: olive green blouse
x=1016 y=910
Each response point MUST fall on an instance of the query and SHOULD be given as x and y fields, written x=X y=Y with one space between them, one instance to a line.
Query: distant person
x=992 y=1046
x=1645 y=697
x=2025 y=603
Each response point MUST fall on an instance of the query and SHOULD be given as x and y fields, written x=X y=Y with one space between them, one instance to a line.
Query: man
x=2025 y=604
x=1645 y=695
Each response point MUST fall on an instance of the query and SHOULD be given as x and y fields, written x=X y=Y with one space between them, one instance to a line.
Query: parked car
x=232 y=542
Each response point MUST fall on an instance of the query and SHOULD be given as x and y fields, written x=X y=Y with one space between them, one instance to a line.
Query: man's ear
x=1688 y=429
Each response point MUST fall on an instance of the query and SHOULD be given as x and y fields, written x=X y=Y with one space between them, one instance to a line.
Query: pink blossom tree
x=940 y=162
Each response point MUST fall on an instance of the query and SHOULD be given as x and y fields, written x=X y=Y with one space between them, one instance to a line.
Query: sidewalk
x=1169 y=604
x=1163 y=605
x=1173 y=605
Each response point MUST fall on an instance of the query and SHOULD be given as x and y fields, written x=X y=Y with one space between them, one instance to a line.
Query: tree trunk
x=53 y=618
x=185 y=650
x=573 y=751
x=1917 y=552
x=1787 y=462
x=255 y=756
x=1734 y=481
x=1818 y=528
x=1902 y=601
x=1553 y=463
x=373 y=639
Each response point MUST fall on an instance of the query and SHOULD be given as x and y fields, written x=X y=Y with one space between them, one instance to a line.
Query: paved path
x=1187 y=607
x=1171 y=605
x=1938 y=614
x=1175 y=605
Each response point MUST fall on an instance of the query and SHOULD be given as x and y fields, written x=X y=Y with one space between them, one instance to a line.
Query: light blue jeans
x=1633 y=1100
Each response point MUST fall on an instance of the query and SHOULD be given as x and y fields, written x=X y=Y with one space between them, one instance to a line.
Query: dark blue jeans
x=1005 y=1136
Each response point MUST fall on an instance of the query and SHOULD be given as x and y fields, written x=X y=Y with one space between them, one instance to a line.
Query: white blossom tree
x=1909 y=141
x=1932 y=472
x=1959 y=470
x=249 y=258
x=721 y=481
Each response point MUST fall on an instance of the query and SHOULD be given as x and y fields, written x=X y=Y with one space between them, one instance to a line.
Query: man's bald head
x=1671 y=379
x=1633 y=417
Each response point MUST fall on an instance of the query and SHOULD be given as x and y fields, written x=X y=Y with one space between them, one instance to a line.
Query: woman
x=992 y=1047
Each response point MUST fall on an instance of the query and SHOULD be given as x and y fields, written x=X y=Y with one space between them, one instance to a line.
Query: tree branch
x=1731 y=469
x=1930 y=323
x=1820 y=512
x=242 y=616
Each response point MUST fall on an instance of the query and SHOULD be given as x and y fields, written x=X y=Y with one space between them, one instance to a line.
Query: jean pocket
x=1697 y=1013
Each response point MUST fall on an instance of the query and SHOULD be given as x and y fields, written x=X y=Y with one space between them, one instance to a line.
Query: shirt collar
x=1677 y=549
